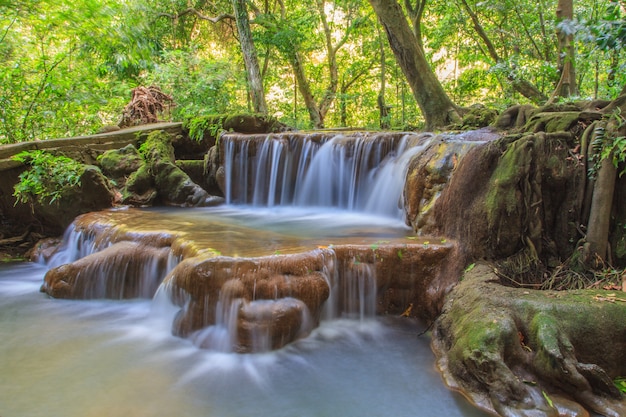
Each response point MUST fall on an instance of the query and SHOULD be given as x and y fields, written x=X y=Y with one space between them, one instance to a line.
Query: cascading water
x=286 y=180
x=362 y=172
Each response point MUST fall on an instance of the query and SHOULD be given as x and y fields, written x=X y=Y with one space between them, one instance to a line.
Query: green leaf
x=620 y=383
x=545 y=395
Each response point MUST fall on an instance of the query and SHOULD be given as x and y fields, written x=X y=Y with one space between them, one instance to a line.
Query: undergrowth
x=48 y=177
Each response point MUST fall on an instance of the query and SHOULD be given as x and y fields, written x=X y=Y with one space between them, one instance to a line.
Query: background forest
x=68 y=67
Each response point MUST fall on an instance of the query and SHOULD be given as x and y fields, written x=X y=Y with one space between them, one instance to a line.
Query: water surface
x=61 y=358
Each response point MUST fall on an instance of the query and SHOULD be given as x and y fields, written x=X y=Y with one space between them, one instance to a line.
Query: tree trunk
x=522 y=86
x=595 y=249
x=437 y=108
x=305 y=89
x=566 y=86
x=382 y=106
x=255 y=82
x=333 y=70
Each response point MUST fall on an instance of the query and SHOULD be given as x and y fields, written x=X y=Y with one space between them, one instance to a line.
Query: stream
x=68 y=358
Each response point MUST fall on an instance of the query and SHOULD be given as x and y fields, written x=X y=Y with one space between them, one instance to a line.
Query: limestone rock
x=294 y=283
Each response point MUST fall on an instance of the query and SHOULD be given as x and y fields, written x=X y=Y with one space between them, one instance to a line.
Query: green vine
x=605 y=146
x=48 y=177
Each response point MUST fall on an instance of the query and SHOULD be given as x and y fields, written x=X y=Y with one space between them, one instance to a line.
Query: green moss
x=479 y=116
x=201 y=127
x=502 y=197
x=139 y=181
x=562 y=121
x=158 y=145
x=120 y=161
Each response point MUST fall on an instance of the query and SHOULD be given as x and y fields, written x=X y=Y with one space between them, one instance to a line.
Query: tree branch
x=198 y=14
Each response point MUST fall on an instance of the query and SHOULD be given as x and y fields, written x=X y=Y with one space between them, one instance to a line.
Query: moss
x=139 y=181
x=201 y=126
x=489 y=338
x=119 y=162
x=502 y=197
x=211 y=126
x=158 y=145
x=552 y=121
x=479 y=116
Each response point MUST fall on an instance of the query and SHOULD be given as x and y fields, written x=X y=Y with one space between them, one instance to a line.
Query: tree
x=255 y=82
x=437 y=108
x=520 y=84
x=67 y=67
x=289 y=34
x=567 y=85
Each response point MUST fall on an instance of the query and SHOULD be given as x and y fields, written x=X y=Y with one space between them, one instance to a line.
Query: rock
x=294 y=283
x=478 y=116
x=518 y=352
x=173 y=186
x=512 y=191
x=123 y=270
x=119 y=163
x=427 y=176
x=94 y=193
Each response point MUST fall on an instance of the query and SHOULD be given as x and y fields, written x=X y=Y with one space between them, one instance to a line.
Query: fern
x=48 y=177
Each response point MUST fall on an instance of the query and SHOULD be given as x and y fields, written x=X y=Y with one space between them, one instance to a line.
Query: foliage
x=198 y=126
x=199 y=85
x=68 y=67
x=54 y=76
x=48 y=177
x=620 y=383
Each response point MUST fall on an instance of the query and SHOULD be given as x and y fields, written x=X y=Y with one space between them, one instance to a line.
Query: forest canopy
x=68 y=67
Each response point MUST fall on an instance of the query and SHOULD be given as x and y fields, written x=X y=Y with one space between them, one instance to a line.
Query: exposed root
x=145 y=106
x=525 y=353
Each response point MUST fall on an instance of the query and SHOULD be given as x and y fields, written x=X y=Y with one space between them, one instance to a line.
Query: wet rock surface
x=249 y=303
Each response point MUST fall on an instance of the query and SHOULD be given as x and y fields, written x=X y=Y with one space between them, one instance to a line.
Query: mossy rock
x=252 y=123
x=140 y=189
x=512 y=191
x=553 y=121
x=94 y=193
x=172 y=184
x=479 y=116
x=519 y=352
x=206 y=129
x=119 y=163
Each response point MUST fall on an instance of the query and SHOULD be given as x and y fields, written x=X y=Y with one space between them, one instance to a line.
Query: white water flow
x=61 y=358
x=118 y=358
x=359 y=173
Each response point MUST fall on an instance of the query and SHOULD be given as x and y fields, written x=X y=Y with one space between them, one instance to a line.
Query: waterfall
x=363 y=172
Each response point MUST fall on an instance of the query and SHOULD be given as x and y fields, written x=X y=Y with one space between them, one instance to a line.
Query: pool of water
x=61 y=358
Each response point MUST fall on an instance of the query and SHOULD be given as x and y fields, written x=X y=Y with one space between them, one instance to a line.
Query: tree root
x=520 y=352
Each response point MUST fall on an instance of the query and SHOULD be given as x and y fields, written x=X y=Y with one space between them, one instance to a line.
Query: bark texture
x=436 y=106
x=255 y=81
